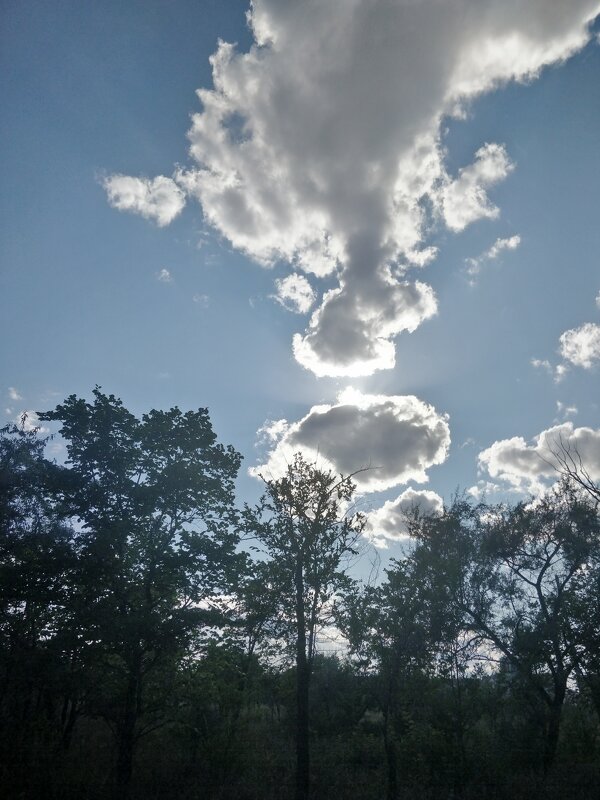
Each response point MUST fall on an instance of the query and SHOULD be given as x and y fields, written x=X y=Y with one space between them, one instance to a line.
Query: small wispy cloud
x=578 y=347
x=474 y=265
x=271 y=432
x=164 y=276
x=201 y=300
x=464 y=199
x=556 y=371
x=542 y=363
x=581 y=346
x=14 y=393
x=159 y=199
x=564 y=411
x=295 y=293
x=483 y=489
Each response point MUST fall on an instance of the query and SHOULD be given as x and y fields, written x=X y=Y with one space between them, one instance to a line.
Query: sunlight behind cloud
x=386 y=440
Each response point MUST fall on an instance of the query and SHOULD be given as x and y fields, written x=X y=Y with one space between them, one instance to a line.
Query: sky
x=365 y=230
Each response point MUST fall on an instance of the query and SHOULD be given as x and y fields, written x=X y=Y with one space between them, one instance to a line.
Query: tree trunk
x=389 y=743
x=389 y=729
x=593 y=684
x=459 y=727
x=68 y=719
x=302 y=696
x=126 y=732
x=124 y=760
x=553 y=729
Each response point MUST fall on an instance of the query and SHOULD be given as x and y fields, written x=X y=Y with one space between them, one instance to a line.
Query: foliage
x=144 y=652
x=304 y=528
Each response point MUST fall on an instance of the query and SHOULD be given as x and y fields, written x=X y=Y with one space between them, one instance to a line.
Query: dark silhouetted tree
x=152 y=499
x=512 y=573
x=305 y=528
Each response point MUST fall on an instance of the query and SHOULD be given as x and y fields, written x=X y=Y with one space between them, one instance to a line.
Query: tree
x=398 y=631
x=37 y=556
x=512 y=573
x=304 y=527
x=152 y=498
x=569 y=464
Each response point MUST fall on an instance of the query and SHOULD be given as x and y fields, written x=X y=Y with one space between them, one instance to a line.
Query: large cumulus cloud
x=392 y=439
x=321 y=146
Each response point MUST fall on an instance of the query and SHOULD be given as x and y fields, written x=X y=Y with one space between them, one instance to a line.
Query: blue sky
x=339 y=150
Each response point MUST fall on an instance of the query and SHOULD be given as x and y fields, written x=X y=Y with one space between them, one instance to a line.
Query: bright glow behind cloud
x=321 y=147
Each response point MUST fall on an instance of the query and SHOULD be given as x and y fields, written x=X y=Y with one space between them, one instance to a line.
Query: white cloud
x=321 y=147
x=30 y=421
x=295 y=293
x=565 y=411
x=503 y=244
x=483 y=489
x=465 y=200
x=350 y=334
x=271 y=432
x=394 y=438
x=164 y=276
x=530 y=467
x=14 y=393
x=388 y=523
x=542 y=363
x=598 y=300
x=581 y=346
x=202 y=300
x=474 y=264
x=159 y=199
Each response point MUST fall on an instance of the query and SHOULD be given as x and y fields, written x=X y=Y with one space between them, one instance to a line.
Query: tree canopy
x=157 y=640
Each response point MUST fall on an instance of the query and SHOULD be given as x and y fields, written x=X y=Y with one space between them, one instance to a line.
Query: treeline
x=156 y=641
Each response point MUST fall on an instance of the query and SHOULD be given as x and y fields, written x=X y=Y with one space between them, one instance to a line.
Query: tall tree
x=36 y=560
x=305 y=527
x=152 y=498
x=396 y=632
x=512 y=573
